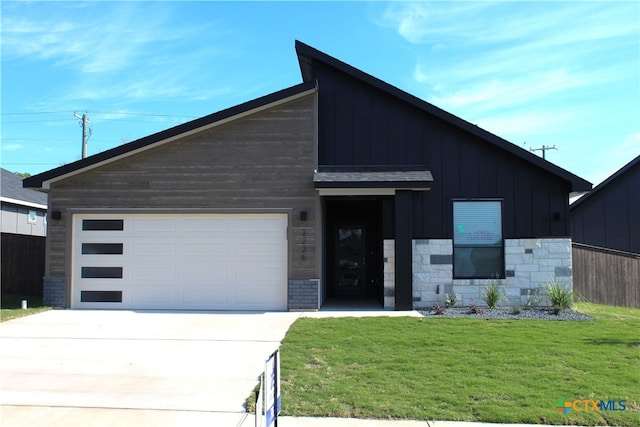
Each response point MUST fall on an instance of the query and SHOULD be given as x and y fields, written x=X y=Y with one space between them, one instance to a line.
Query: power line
x=34 y=113
x=37 y=121
x=121 y=113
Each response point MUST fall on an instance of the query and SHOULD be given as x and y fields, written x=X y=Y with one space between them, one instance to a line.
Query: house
x=606 y=248
x=23 y=225
x=605 y=217
x=342 y=186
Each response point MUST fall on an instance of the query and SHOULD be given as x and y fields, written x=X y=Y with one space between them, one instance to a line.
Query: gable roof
x=308 y=57
x=44 y=179
x=633 y=163
x=12 y=191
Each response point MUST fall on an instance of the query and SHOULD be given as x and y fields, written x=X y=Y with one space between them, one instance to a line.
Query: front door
x=350 y=259
x=353 y=249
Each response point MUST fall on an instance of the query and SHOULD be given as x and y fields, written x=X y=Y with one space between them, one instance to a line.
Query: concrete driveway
x=109 y=368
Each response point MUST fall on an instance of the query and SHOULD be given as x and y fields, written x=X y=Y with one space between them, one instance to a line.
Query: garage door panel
x=205 y=273
x=185 y=261
x=145 y=273
x=264 y=274
x=255 y=297
x=148 y=224
x=205 y=296
x=205 y=248
x=206 y=225
x=153 y=248
x=159 y=297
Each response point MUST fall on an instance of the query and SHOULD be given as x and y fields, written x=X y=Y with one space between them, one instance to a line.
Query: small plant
x=451 y=299
x=492 y=294
x=437 y=309
x=560 y=296
x=516 y=309
x=474 y=309
x=533 y=299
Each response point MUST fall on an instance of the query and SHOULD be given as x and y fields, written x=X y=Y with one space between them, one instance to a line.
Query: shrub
x=560 y=296
x=438 y=309
x=516 y=309
x=451 y=299
x=474 y=309
x=492 y=294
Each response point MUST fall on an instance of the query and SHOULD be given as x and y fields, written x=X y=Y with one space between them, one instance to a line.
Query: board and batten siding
x=260 y=162
x=364 y=126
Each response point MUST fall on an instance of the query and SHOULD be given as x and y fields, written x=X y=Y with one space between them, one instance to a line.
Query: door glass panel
x=350 y=259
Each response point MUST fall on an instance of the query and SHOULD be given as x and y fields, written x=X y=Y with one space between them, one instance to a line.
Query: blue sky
x=535 y=73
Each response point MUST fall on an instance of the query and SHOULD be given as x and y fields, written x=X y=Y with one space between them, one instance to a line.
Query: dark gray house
x=608 y=216
x=23 y=226
x=340 y=187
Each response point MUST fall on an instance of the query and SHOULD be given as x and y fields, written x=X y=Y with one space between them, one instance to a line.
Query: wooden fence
x=606 y=276
x=22 y=264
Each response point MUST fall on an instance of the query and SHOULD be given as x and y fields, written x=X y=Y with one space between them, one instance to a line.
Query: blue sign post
x=272 y=388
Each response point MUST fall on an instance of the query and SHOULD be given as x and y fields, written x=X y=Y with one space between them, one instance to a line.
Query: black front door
x=350 y=259
x=354 y=249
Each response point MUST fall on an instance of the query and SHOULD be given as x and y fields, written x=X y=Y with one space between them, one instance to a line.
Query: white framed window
x=478 y=247
x=32 y=217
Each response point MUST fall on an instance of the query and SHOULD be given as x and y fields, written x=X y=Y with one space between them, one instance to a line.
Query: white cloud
x=11 y=146
x=100 y=41
x=513 y=125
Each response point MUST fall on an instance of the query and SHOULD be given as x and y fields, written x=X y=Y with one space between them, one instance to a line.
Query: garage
x=180 y=261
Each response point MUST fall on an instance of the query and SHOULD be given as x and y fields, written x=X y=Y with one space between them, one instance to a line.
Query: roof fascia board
x=307 y=54
x=299 y=91
x=22 y=203
x=356 y=191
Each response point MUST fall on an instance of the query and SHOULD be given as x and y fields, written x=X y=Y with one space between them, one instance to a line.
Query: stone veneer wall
x=54 y=291
x=389 y=254
x=529 y=265
x=303 y=295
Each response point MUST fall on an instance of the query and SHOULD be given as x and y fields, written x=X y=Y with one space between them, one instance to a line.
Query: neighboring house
x=340 y=187
x=23 y=222
x=606 y=249
x=608 y=216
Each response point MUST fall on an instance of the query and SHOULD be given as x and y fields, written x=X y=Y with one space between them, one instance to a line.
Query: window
x=103 y=224
x=33 y=216
x=102 y=248
x=101 y=273
x=100 y=296
x=478 y=251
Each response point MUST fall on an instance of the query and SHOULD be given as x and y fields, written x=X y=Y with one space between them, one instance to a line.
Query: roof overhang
x=370 y=183
x=23 y=203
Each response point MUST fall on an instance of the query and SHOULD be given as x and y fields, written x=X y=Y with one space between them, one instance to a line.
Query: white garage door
x=180 y=261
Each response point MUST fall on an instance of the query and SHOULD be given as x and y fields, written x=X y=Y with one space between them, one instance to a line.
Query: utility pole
x=544 y=149
x=85 y=121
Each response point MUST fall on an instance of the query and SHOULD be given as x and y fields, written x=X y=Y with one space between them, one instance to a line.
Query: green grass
x=11 y=306
x=463 y=369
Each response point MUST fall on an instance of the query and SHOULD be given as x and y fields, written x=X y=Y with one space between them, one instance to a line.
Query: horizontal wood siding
x=22 y=264
x=606 y=277
x=263 y=161
x=360 y=125
x=609 y=217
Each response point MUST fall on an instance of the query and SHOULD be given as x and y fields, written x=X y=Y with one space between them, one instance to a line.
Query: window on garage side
x=103 y=224
x=478 y=248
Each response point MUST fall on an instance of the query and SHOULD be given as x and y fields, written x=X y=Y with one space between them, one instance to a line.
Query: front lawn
x=11 y=306
x=509 y=371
